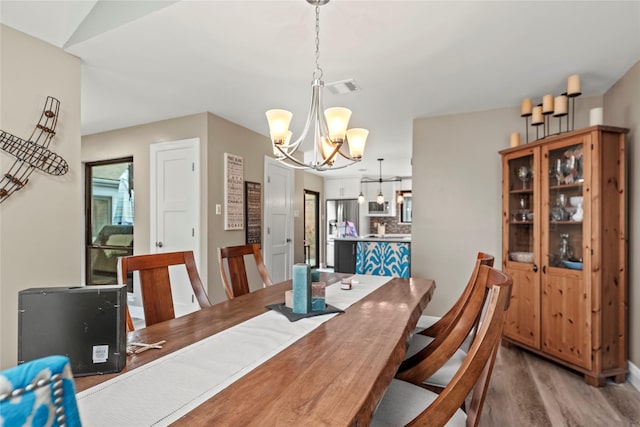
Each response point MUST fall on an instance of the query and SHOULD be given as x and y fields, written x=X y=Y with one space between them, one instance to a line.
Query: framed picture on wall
x=253 y=212
x=233 y=192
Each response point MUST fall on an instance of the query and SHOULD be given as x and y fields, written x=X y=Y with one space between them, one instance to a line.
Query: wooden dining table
x=334 y=375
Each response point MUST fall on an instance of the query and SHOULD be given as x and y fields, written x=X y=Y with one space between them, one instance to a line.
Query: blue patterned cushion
x=39 y=393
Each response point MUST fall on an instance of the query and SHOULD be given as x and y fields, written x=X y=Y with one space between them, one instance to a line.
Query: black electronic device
x=85 y=323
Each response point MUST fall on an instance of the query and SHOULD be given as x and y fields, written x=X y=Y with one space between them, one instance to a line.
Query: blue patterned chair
x=39 y=393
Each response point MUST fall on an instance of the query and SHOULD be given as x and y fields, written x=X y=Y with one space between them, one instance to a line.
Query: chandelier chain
x=317 y=73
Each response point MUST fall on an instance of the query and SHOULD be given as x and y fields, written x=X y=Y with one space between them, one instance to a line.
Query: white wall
x=41 y=226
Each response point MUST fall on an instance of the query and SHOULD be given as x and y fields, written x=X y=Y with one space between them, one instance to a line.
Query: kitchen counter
x=379 y=238
x=376 y=254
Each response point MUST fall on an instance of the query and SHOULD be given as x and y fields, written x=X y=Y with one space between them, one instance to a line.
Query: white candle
x=573 y=85
x=547 y=104
x=537 y=115
x=515 y=139
x=560 y=105
x=595 y=116
x=288 y=299
x=525 y=110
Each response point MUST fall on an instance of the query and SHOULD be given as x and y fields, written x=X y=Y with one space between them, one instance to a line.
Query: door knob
x=288 y=240
x=159 y=244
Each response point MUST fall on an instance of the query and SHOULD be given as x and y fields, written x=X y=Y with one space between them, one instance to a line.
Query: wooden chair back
x=454 y=312
x=475 y=372
x=236 y=283
x=454 y=328
x=155 y=283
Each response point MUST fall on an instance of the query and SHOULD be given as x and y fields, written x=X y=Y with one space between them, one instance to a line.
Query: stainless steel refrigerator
x=337 y=213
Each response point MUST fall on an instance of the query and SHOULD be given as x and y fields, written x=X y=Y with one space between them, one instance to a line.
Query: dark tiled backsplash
x=392 y=225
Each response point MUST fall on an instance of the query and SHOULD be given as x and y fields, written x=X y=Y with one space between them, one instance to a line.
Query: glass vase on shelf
x=523 y=208
x=558 y=212
x=559 y=170
x=524 y=175
x=565 y=251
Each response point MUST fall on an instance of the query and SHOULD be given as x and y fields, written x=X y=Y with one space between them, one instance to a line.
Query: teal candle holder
x=301 y=288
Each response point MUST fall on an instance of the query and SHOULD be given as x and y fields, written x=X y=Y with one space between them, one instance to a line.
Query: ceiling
x=144 y=61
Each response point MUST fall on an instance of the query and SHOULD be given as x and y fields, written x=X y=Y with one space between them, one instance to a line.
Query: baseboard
x=634 y=376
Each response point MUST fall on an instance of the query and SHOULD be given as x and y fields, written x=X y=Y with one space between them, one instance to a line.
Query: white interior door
x=175 y=211
x=278 y=233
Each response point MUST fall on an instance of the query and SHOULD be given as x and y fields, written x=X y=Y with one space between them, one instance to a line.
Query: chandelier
x=329 y=128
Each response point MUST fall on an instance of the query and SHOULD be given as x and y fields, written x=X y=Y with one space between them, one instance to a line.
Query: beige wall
x=227 y=137
x=41 y=226
x=217 y=136
x=622 y=108
x=135 y=141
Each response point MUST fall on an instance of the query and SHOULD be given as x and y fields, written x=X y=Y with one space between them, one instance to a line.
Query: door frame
x=317 y=225
x=88 y=214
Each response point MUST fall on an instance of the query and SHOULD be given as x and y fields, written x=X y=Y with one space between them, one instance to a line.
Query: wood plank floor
x=527 y=390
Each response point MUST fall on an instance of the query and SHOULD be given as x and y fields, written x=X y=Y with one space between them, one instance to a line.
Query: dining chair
x=40 y=392
x=407 y=403
x=432 y=325
x=236 y=282
x=155 y=283
x=445 y=349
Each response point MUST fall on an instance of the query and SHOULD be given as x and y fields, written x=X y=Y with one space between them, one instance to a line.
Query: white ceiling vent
x=342 y=87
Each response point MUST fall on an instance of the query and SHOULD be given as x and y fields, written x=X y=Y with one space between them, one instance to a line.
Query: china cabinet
x=564 y=244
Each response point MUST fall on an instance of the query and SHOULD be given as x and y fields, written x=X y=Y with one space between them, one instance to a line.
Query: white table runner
x=164 y=390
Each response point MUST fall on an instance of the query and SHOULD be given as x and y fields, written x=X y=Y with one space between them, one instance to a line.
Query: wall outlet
x=218 y=209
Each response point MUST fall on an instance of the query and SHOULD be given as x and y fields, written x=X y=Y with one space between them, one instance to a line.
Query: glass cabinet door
x=565 y=206
x=521 y=182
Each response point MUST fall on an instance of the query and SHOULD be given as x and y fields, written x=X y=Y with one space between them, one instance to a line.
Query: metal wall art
x=32 y=153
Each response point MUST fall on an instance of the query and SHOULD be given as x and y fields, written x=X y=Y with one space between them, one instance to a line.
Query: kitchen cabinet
x=341 y=188
x=345 y=256
x=405 y=184
x=564 y=244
